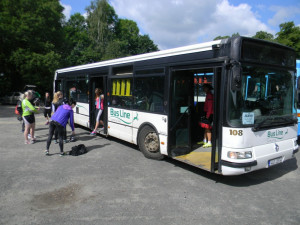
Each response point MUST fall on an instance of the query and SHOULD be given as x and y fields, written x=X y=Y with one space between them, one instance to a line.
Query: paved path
x=114 y=184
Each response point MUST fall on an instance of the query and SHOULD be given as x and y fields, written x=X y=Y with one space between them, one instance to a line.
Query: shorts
x=98 y=114
x=47 y=113
x=207 y=123
x=29 y=119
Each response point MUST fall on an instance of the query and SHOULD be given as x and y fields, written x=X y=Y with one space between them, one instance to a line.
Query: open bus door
x=97 y=81
x=186 y=109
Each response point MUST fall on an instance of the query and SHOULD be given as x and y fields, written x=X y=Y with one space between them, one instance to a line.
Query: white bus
x=155 y=100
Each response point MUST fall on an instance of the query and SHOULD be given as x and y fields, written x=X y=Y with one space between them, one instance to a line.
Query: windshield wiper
x=257 y=126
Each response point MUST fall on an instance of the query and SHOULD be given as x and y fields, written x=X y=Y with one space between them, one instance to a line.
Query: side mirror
x=236 y=76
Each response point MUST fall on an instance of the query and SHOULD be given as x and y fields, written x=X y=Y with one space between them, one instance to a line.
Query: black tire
x=148 y=141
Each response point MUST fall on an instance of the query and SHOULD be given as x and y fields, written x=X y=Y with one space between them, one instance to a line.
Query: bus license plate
x=273 y=162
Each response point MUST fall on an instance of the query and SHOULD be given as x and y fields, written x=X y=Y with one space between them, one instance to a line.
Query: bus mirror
x=236 y=73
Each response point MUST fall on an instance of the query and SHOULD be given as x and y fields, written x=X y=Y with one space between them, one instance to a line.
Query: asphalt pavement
x=115 y=184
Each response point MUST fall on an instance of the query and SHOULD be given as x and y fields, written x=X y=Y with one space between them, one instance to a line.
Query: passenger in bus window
x=99 y=104
x=207 y=121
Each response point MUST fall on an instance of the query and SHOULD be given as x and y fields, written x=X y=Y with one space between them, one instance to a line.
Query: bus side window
x=149 y=94
x=121 y=92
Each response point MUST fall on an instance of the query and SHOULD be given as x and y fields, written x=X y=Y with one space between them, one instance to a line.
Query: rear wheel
x=149 y=143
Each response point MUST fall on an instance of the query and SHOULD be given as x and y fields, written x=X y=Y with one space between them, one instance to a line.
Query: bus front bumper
x=261 y=162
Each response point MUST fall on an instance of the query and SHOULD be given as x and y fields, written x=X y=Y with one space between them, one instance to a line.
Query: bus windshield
x=265 y=99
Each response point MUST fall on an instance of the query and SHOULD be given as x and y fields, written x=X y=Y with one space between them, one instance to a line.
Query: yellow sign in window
x=121 y=87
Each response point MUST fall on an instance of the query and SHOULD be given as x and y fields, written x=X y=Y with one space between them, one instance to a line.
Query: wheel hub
x=151 y=142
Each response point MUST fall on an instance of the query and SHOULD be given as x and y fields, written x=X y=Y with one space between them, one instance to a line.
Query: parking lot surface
x=114 y=184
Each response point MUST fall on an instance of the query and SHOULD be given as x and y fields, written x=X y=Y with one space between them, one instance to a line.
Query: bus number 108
x=236 y=132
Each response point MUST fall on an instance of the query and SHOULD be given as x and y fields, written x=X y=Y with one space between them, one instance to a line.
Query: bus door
x=59 y=85
x=97 y=82
x=186 y=114
x=180 y=112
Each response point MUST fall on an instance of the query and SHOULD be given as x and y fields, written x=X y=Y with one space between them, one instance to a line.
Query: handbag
x=204 y=120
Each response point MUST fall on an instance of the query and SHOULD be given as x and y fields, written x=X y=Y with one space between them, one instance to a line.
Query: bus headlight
x=239 y=155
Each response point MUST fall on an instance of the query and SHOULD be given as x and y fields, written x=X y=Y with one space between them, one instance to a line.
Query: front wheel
x=148 y=141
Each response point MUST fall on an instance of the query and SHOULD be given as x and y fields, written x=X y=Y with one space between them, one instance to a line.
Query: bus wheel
x=149 y=143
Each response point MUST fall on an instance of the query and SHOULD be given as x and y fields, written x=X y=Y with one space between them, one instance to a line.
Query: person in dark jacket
x=47 y=109
x=58 y=101
x=59 y=121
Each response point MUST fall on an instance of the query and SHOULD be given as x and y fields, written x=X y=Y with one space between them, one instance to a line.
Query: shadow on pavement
x=249 y=179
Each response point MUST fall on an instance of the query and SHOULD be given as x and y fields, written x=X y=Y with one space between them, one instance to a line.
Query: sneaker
x=47 y=152
x=29 y=136
x=27 y=142
x=207 y=145
x=62 y=154
x=201 y=143
x=93 y=133
x=32 y=142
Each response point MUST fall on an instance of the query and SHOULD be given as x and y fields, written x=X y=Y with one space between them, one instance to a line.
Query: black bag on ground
x=78 y=150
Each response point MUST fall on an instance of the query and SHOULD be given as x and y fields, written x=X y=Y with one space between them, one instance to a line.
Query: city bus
x=298 y=95
x=155 y=100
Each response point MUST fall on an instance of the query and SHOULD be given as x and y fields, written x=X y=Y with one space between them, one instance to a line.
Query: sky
x=176 y=23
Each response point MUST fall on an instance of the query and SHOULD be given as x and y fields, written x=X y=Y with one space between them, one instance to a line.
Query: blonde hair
x=28 y=94
x=56 y=96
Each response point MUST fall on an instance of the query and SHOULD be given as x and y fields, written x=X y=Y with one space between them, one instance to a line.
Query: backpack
x=78 y=150
x=18 y=109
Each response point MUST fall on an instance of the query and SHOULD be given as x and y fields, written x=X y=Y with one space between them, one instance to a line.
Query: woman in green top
x=28 y=117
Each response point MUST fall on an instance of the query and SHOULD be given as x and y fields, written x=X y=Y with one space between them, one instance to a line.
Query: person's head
x=207 y=88
x=47 y=94
x=29 y=95
x=60 y=94
x=98 y=92
x=72 y=103
x=55 y=98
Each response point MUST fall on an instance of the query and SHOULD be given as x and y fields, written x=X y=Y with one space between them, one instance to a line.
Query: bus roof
x=207 y=46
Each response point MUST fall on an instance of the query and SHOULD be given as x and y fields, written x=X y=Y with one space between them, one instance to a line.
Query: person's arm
x=53 y=108
x=210 y=106
x=31 y=107
x=72 y=120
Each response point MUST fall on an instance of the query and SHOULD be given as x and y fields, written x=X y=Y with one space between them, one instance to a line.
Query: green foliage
x=35 y=40
x=264 y=36
x=289 y=35
x=111 y=37
x=31 y=38
x=225 y=37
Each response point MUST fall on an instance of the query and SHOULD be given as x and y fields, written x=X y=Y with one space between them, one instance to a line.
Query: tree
x=264 y=36
x=76 y=41
x=101 y=22
x=31 y=41
x=225 y=37
x=289 y=35
x=112 y=37
x=221 y=37
x=131 y=42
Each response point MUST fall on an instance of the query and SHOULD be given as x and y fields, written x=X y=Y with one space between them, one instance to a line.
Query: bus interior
x=187 y=103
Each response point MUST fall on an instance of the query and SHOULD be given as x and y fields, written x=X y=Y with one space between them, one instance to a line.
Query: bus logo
x=276 y=147
x=123 y=116
x=277 y=134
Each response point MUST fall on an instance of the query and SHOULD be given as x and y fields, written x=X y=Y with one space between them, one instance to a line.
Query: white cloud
x=67 y=10
x=283 y=14
x=173 y=23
